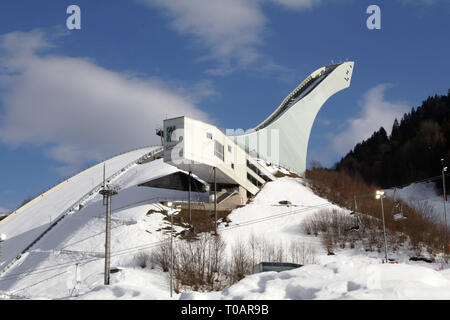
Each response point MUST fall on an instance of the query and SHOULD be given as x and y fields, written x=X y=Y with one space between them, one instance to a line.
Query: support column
x=215 y=202
x=189 y=202
x=108 y=239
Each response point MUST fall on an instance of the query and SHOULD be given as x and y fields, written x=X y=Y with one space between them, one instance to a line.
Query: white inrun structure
x=283 y=137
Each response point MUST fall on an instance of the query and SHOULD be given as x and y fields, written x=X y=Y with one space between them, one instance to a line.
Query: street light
x=380 y=195
x=444 y=169
x=172 y=212
x=2 y=238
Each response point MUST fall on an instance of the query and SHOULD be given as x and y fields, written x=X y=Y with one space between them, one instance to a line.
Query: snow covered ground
x=422 y=194
x=48 y=270
x=68 y=262
x=346 y=275
x=24 y=225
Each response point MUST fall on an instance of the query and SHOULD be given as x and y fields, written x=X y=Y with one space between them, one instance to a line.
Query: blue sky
x=71 y=98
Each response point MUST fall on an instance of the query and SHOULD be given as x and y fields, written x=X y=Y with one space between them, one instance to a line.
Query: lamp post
x=171 y=213
x=2 y=238
x=444 y=169
x=107 y=194
x=380 y=195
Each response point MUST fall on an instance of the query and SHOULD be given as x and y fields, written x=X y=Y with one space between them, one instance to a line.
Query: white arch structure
x=283 y=137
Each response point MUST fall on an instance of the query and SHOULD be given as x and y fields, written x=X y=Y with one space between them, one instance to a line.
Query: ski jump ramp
x=28 y=224
x=283 y=137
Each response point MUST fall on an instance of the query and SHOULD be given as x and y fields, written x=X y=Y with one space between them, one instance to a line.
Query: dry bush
x=198 y=264
x=240 y=262
x=421 y=226
x=301 y=254
x=201 y=265
x=294 y=251
x=161 y=256
x=142 y=259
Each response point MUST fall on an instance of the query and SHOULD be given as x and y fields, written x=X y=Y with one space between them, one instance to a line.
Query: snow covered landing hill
x=344 y=276
x=68 y=262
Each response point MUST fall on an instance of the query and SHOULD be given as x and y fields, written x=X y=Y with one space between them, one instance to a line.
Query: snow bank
x=50 y=270
x=340 y=277
x=424 y=193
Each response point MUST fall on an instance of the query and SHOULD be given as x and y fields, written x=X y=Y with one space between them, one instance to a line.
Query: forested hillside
x=412 y=152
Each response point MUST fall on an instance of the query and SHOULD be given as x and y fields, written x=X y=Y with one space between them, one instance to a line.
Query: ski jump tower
x=232 y=160
x=283 y=137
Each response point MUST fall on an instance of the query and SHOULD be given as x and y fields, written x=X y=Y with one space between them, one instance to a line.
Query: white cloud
x=4 y=210
x=77 y=110
x=419 y=2
x=376 y=112
x=298 y=4
x=232 y=30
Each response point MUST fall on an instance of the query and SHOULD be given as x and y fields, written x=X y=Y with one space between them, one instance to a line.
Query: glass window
x=218 y=150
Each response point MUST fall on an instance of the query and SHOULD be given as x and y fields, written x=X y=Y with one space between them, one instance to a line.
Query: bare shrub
x=264 y=250
x=240 y=262
x=198 y=263
x=142 y=259
x=422 y=227
x=161 y=256
x=301 y=254
x=328 y=243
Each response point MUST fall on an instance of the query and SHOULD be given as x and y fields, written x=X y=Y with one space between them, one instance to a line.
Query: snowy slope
x=68 y=262
x=343 y=276
x=27 y=223
x=422 y=194
x=266 y=217
x=49 y=269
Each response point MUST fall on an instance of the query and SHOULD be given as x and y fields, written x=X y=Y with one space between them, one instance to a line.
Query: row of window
x=219 y=148
x=253 y=180
x=257 y=171
x=219 y=153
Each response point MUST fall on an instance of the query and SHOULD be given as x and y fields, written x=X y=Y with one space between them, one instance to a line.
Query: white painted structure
x=26 y=225
x=198 y=147
x=283 y=137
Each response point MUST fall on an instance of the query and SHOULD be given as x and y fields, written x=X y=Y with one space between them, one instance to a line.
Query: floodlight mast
x=2 y=238
x=172 y=212
x=107 y=194
x=380 y=195
x=444 y=169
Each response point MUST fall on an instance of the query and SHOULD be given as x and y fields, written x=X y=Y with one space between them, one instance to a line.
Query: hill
x=412 y=152
x=68 y=261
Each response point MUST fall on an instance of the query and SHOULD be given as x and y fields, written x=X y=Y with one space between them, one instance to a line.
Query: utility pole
x=2 y=238
x=171 y=213
x=444 y=169
x=107 y=194
x=189 y=202
x=171 y=254
x=215 y=202
x=380 y=195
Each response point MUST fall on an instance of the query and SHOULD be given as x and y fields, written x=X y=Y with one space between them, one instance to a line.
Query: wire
x=157 y=243
x=54 y=276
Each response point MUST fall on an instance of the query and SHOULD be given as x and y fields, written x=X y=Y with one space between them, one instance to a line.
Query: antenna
x=104 y=183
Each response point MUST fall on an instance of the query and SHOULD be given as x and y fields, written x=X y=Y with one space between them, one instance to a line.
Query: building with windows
x=197 y=147
x=231 y=161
